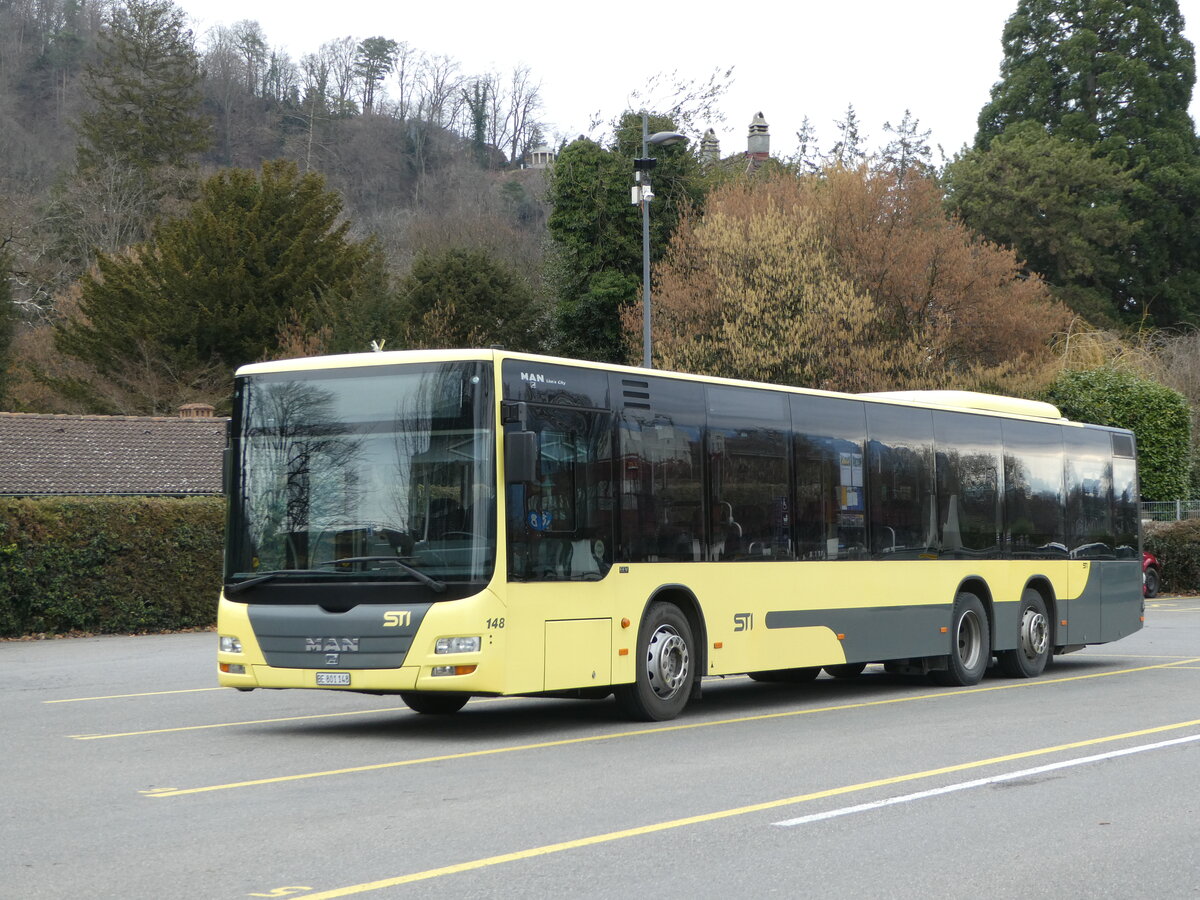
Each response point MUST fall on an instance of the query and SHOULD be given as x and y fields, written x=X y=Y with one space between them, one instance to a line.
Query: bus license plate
x=341 y=679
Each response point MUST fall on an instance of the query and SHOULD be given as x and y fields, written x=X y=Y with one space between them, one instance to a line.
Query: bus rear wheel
x=1033 y=639
x=970 y=644
x=664 y=667
x=434 y=704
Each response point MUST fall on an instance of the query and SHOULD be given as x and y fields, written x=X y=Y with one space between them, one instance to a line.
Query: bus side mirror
x=520 y=456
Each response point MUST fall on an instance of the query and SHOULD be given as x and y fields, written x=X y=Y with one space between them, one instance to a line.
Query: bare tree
x=406 y=69
x=524 y=106
x=439 y=82
x=339 y=56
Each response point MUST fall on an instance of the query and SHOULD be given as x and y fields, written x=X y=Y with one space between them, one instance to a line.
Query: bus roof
x=1015 y=406
x=960 y=400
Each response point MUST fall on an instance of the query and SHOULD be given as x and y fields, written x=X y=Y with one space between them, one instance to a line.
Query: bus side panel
x=1122 y=603
x=1083 y=624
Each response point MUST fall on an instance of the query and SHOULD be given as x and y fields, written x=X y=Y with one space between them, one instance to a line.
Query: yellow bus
x=449 y=524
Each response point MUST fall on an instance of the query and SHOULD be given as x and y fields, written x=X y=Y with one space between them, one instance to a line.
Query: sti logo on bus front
x=393 y=618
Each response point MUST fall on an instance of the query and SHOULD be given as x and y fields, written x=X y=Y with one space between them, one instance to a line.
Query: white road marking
x=982 y=782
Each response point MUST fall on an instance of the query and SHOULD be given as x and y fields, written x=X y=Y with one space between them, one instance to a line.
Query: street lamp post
x=642 y=195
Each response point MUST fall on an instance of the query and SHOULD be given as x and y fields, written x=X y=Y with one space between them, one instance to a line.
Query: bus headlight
x=458 y=645
x=230 y=645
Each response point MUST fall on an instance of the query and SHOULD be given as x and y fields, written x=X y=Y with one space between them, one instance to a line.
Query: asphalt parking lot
x=128 y=773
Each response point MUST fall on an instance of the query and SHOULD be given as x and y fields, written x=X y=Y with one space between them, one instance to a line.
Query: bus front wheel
x=970 y=643
x=664 y=667
x=1033 y=639
x=434 y=704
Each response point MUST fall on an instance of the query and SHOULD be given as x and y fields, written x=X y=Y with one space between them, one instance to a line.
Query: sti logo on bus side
x=394 y=618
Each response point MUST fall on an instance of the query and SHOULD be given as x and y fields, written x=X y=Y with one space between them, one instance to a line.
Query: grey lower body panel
x=877 y=632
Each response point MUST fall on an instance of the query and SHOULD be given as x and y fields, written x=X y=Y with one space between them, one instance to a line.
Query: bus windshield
x=352 y=475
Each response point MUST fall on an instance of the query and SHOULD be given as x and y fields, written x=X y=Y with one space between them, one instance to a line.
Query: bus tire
x=432 y=704
x=664 y=667
x=1033 y=648
x=787 y=676
x=970 y=644
x=846 y=670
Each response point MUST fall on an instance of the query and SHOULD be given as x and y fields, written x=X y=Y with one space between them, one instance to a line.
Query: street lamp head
x=666 y=138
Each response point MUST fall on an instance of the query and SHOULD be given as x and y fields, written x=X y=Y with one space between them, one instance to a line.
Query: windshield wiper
x=432 y=583
x=265 y=576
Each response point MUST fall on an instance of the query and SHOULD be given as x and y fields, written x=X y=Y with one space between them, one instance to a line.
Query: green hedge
x=1158 y=415
x=109 y=564
x=1177 y=546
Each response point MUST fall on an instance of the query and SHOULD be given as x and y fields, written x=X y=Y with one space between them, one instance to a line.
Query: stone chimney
x=710 y=148
x=758 y=144
x=196 y=411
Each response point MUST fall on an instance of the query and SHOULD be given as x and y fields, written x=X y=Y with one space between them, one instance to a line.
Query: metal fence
x=1171 y=511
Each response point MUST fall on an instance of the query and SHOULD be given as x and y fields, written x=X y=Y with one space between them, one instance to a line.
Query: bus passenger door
x=560 y=545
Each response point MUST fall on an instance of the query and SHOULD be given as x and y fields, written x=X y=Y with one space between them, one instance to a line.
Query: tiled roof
x=43 y=454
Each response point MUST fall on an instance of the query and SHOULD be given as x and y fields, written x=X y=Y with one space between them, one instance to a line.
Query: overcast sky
x=938 y=58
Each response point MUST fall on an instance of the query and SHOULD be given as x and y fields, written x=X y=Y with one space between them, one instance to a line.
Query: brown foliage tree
x=751 y=291
x=969 y=303
x=847 y=281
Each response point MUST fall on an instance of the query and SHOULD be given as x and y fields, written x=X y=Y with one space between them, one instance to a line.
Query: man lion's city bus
x=450 y=524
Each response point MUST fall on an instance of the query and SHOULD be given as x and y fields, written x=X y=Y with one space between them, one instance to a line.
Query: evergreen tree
x=255 y=253
x=597 y=232
x=145 y=90
x=374 y=61
x=1062 y=209
x=908 y=152
x=1116 y=76
x=850 y=148
x=468 y=298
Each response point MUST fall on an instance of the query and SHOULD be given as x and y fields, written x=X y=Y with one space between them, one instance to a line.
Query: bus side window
x=749 y=472
x=1089 y=476
x=968 y=485
x=830 y=496
x=560 y=525
x=900 y=482
x=1034 y=506
x=660 y=465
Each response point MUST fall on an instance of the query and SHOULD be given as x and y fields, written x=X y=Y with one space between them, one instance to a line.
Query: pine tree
x=850 y=148
x=908 y=152
x=1116 y=77
x=145 y=90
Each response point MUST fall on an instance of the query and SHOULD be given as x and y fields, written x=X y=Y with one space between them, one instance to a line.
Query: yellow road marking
x=146 y=694
x=1134 y=656
x=661 y=729
x=356 y=712
x=703 y=818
